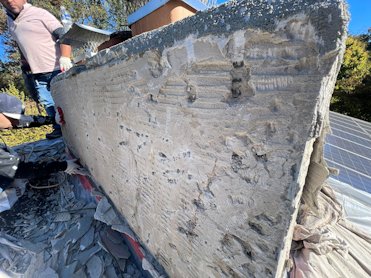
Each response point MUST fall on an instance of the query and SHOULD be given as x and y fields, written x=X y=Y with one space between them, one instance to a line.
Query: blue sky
x=359 y=24
x=360 y=16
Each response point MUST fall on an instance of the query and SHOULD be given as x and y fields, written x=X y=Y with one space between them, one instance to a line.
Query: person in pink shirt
x=36 y=32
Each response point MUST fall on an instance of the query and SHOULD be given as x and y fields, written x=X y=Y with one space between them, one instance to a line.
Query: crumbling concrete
x=201 y=132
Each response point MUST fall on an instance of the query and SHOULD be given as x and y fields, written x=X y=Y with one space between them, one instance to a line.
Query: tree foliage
x=119 y=11
x=2 y=23
x=9 y=65
x=89 y=12
x=355 y=67
x=367 y=39
x=352 y=94
x=356 y=105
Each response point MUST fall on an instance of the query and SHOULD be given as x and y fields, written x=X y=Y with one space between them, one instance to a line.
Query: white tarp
x=327 y=244
x=356 y=204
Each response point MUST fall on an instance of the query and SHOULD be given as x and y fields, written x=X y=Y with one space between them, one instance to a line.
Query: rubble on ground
x=50 y=232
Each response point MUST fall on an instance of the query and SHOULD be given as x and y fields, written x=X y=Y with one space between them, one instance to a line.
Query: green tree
x=119 y=10
x=355 y=67
x=352 y=95
x=367 y=39
x=9 y=65
x=89 y=12
x=2 y=23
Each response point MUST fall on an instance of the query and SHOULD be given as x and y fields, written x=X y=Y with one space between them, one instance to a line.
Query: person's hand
x=73 y=168
x=34 y=121
x=65 y=63
x=25 y=121
x=59 y=117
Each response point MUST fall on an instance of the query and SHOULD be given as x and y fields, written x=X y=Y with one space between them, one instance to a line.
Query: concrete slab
x=201 y=132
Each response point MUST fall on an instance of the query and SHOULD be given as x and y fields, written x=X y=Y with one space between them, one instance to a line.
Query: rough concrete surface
x=201 y=132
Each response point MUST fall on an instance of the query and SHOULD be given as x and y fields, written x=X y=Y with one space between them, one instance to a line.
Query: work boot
x=56 y=133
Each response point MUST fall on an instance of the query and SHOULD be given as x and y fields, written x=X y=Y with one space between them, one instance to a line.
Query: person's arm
x=66 y=50
x=57 y=31
x=33 y=121
x=65 y=59
x=11 y=167
x=29 y=170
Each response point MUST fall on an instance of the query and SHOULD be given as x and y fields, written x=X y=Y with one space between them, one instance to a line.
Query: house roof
x=155 y=4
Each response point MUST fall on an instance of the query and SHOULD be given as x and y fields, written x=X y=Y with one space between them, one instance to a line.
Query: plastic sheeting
x=10 y=195
x=356 y=204
x=326 y=244
x=40 y=151
x=43 y=150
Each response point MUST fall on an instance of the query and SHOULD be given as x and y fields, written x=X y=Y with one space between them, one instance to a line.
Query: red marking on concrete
x=61 y=116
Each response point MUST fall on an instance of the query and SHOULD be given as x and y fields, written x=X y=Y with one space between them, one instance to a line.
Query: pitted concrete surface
x=201 y=132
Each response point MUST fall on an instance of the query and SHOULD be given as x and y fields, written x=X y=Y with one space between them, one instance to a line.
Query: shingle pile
x=51 y=233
